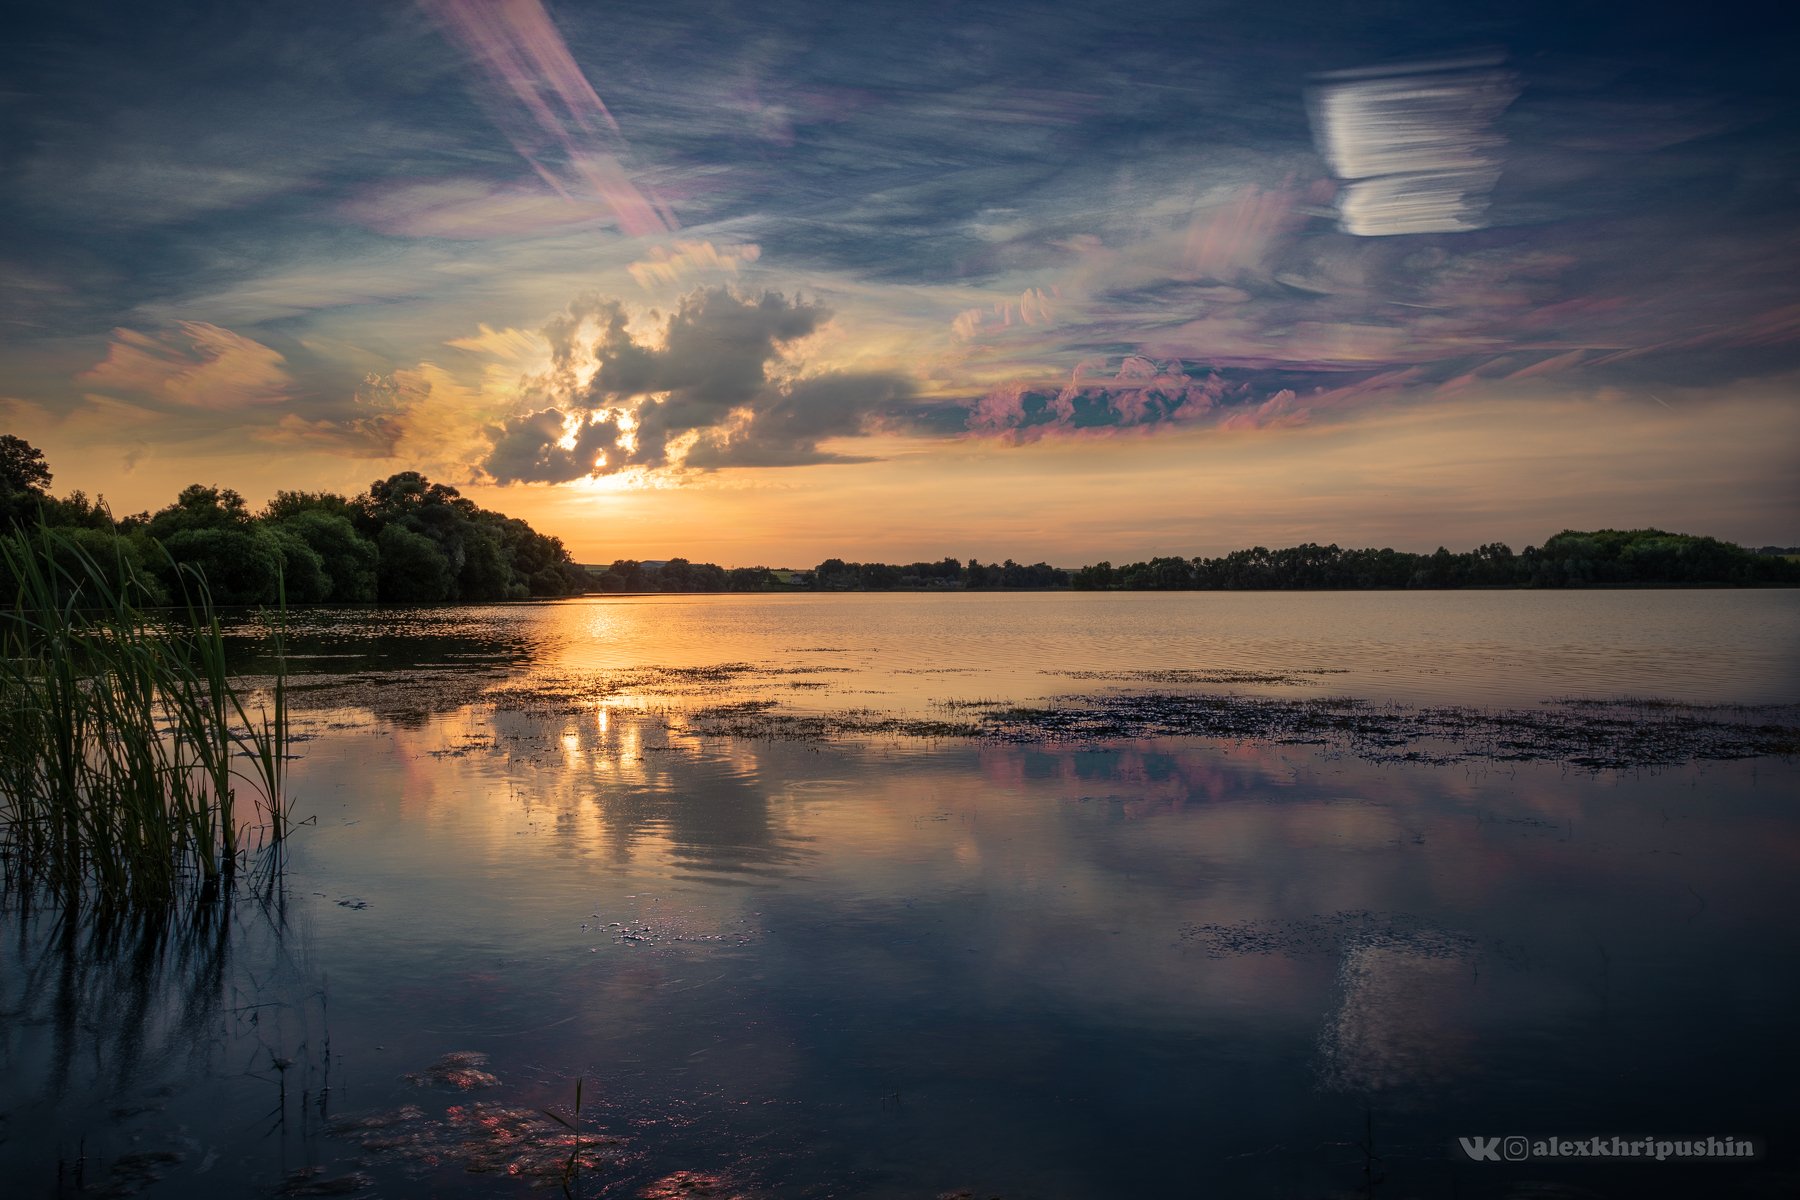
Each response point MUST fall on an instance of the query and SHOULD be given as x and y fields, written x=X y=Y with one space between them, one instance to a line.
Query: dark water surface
x=900 y=966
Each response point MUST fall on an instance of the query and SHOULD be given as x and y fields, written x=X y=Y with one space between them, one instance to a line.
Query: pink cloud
x=1386 y=383
x=1278 y=411
x=1143 y=390
x=1288 y=408
x=1776 y=327
x=1001 y=409
x=1235 y=238
x=1549 y=366
x=1141 y=393
x=197 y=366
x=1034 y=306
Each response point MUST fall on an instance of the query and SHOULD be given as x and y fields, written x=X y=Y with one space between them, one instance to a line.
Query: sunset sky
x=767 y=283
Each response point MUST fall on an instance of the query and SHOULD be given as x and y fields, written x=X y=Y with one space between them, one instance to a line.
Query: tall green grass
x=135 y=769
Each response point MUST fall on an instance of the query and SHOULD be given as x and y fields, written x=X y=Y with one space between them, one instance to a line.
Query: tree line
x=408 y=540
x=1600 y=558
x=832 y=575
x=405 y=540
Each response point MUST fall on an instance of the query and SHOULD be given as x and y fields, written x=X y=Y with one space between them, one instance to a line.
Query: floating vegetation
x=1621 y=735
x=1658 y=704
x=483 y=1137
x=566 y=692
x=542 y=1146
x=576 y=1149
x=691 y=1185
x=744 y=706
x=733 y=721
x=733 y=700
x=460 y=1069
x=133 y=769
x=736 y=699
x=405 y=698
x=1185 y=675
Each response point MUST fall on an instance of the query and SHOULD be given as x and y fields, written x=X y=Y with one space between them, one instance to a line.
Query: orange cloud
x=689 y=259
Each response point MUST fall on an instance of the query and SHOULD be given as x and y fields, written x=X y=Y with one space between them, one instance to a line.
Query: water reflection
x=998 y=961
x=122 y=1038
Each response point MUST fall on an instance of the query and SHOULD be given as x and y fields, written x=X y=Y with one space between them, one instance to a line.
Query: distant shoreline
x=1611 y=558
x=994 y=591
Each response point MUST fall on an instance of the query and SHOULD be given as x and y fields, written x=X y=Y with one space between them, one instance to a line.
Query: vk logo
x=1481 y=1149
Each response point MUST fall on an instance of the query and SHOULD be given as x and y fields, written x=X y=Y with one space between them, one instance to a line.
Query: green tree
x=201 y=507
x=834 y=574
x=24 y=480
x=240 y=566
x=22 y=466
x=485 y=573
x=412 y=569
x=1095 y=578
x=287 y=505
x=349 y=558
x=304 y=579
x=75 y=511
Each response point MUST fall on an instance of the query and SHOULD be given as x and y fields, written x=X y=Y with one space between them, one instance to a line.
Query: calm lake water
x=901 y=966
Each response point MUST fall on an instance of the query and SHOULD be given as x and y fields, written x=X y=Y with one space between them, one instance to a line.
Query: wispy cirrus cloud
x=547 y=108
x=473 y=208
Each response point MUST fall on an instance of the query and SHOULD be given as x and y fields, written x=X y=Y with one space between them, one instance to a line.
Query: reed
x=571 y=1172
x=135 y=769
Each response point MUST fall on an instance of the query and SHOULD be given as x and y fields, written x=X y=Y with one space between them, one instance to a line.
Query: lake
x=1020 y=895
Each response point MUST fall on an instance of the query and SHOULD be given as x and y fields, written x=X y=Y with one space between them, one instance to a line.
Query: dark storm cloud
x=528 y=449
x=786 y=431
x=711 y=389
